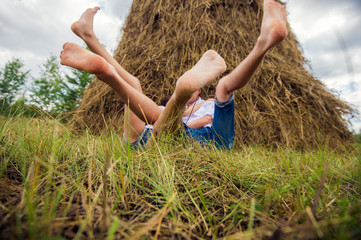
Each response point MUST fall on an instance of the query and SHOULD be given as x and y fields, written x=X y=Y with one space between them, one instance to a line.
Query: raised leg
x=83 y=28
x=207 y=69
x=273 y=31
x=81 y=59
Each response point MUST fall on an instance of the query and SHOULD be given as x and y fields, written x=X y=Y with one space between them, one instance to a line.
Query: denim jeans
x=222 y=131
x=142 y=140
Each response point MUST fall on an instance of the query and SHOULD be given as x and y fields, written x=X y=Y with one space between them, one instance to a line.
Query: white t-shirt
x=207 y=108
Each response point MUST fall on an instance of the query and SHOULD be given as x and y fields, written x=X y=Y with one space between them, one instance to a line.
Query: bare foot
x=84 y=26
x=210 y=66
x=77 y=57
x=273 y=29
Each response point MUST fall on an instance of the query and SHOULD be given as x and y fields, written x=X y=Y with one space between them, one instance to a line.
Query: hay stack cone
x=283 y=105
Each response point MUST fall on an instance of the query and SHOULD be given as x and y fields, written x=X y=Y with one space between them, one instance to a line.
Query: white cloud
x=34 y=30
x=116 y=8
x=330 y=37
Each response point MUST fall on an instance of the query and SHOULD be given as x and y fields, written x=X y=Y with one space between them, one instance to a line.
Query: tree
x=74 y=88
x=47 y=89
x=12 y=80
x=55 y=93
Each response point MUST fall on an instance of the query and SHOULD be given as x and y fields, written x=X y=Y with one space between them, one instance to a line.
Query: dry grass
x=55 y=184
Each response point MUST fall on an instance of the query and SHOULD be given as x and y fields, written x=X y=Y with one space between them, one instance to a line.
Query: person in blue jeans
x=141 y=110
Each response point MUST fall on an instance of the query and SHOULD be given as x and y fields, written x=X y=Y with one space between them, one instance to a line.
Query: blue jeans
x=142 y=140
x=222 y=131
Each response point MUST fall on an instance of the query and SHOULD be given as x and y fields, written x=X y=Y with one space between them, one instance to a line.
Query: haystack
x=283 y=105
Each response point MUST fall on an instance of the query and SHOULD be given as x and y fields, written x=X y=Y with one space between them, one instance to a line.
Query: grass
x=58 y=185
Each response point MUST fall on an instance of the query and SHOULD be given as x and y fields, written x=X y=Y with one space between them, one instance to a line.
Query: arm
x=201 y=122
x=192 y=109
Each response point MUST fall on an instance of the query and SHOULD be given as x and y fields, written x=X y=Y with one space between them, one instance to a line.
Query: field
x=59 y=185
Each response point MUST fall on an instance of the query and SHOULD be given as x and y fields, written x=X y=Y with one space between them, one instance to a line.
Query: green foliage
x=74 y=88
x=12 y=80
x=358 y=138
x=21 y=107
x=47 y=90
x=55 y=93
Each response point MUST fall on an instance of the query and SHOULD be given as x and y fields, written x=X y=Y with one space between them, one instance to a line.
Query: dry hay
x=282 y=105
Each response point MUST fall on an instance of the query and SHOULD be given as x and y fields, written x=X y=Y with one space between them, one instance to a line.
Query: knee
x=222 y=91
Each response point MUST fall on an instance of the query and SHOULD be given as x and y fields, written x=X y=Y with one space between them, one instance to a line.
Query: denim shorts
x=142 y=140
x=222 y=131
x=221 y=134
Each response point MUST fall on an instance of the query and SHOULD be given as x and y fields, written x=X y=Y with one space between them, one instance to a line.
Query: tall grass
x=58 y=185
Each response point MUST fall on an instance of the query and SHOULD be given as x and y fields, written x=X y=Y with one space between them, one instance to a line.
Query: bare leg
x=273 y=31
x=83 y=28
x=207 y=69
x=81 y=59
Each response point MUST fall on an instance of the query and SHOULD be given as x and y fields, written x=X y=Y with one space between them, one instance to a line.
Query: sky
x=328 y=32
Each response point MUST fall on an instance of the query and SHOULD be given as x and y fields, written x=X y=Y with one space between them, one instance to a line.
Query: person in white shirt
x=199 y=112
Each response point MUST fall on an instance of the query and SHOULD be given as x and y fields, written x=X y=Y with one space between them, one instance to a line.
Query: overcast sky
x=328 y=31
